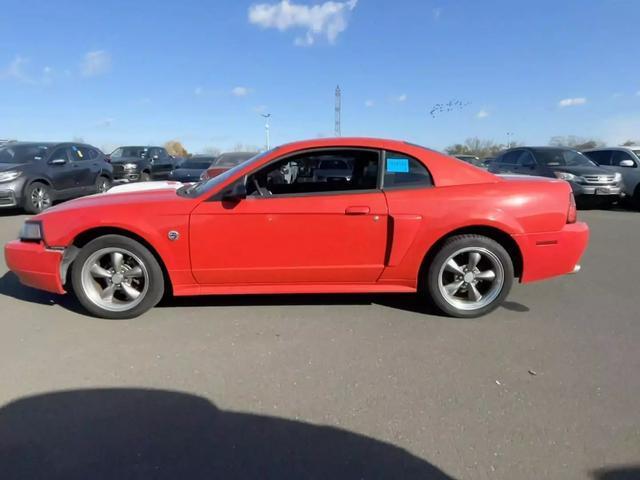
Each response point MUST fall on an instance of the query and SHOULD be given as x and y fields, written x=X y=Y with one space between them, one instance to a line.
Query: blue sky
x=122 y=72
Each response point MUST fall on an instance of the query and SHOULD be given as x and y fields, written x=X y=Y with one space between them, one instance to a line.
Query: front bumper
x=11 y=193
x=127 y=177
x=546 y=255
x=580 y=189
x=35 y=265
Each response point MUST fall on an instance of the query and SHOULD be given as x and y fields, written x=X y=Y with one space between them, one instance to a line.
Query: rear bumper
x=546 y=255
x=35 y=265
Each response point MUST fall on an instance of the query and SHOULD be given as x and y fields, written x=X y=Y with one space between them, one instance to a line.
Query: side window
x=59 y=154
x=79 y=154
x=601 y=157
x=526 y=160
x=93 y=153
x=163 y=154
x=402 y=171
x=511 y=158
x=317 y=172
x=618 y=156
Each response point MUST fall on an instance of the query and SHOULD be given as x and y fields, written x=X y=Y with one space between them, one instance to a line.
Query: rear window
x=22 y=153
x=402 y=171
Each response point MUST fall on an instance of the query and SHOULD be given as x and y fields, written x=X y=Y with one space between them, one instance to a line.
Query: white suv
x=625 y=160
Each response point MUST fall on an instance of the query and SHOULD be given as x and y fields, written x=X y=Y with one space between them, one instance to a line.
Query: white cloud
x=638 y=93
x=105 y=122
x=327 y=19
x=240 y=91
x=369 y=103
x=96 y=63
x=571 y=102
x=260 y=109
x=16 y=70
x=401 y=98
x=437 y=12
x=198 y=91
x=482 y=114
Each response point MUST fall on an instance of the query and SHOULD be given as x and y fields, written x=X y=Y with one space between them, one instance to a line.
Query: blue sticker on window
x=398 y=165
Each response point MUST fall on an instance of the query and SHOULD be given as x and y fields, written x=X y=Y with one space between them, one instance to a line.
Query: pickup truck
x=139 y=163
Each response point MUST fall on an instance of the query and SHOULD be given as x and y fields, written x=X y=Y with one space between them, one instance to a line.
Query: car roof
x=37 y=144
x=632 y=147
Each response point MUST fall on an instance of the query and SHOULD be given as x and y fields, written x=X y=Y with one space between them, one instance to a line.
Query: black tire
x=150 y=298
x=494 y=252
x=35 y=205
x=102 y=184
x=145 y=177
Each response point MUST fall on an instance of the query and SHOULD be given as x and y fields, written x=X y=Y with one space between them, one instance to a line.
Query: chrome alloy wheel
x=471 y=278
x=103 y=185
x=115 y=279
x=40 y=198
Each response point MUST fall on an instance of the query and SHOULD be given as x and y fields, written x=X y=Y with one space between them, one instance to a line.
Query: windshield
x=128 y=152
x=562 y=158
x=201 y=187
x=195 y=164
x=333 y=165
x=22 y=153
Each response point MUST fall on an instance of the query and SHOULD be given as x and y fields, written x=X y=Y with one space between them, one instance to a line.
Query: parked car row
x=598 y=176
x=35 y=175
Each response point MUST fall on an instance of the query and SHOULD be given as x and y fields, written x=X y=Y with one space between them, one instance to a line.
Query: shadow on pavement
x=631 y=472
x=140 y=433
x=11 y=287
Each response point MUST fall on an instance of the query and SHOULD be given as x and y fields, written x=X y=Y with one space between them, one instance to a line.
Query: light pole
x=509 y=138
x=266 y=129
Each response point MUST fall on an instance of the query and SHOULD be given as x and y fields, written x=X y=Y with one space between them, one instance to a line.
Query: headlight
x=8 y=176
x=31 y=232
x=130 y=166
x=566 y=176
x=617 y=177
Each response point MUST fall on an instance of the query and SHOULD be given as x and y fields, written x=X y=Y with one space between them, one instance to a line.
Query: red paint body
x=369 y=241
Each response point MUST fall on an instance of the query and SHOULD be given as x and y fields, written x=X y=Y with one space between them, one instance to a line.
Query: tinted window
x=558 y=157
x=618 y=156
x=60 y=153
x=404 y=171
x=526 y=160
x=195 y=164
x=305 y=173
x=80 y=153
x=511 y=158
x=22 y=153
x=601 y=157
x=128 y=152
x=93 y=153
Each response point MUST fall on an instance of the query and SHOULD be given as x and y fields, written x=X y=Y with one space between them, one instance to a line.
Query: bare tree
x=212 y=151
x=478 y=147
x=630 y=143
x=572 y=141
x=243 y=147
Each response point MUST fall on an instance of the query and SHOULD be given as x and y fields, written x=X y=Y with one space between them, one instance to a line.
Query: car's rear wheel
x=469 y=276
x=102 y=184
x=116 y=277
x=37 y=197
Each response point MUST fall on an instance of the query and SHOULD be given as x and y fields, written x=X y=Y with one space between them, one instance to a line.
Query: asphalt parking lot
x=331 y=386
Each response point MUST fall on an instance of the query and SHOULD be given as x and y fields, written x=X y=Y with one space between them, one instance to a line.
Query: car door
x=84 y=168
x=630 y=172
x=294 y=229
x=61 y=171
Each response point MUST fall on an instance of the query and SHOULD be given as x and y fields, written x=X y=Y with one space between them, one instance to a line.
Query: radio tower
x=338 y=132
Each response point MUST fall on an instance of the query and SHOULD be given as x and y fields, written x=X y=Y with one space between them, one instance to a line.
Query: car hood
x=163 y=200
x=580 y=170
x=126 y=160
x=145 y=186
x=10 y=166
x=187 y=172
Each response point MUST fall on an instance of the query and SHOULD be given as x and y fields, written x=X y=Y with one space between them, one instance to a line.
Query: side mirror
x=235 y=192
x=627 y=163
x=58 y=161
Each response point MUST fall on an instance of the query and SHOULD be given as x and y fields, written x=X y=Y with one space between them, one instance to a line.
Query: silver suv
x=624 y=160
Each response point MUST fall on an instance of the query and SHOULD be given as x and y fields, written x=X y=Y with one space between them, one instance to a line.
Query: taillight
x=572 y=214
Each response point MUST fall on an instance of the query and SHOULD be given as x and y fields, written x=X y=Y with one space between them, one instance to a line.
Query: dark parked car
x=626 y=162
x=34 y=175
x=135 y=163
x=225 y=161
x=588 y=180
x=191 y=169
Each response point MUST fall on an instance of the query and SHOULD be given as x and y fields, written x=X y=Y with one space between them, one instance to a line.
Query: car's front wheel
x=116 y=277
x=37 y=198
x=470 y=276
x=103 y=184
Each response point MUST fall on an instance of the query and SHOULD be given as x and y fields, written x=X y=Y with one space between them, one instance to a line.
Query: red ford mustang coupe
x=322 y=216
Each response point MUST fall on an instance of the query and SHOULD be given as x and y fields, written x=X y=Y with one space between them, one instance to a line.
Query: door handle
x=357 y=210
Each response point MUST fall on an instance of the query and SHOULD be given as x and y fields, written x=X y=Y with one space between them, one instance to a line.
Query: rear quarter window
x=403 y=171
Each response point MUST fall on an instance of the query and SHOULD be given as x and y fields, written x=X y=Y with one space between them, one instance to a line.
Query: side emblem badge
x=173 y=235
